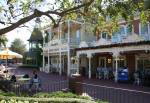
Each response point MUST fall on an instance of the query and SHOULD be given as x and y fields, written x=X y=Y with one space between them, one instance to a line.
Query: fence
x=115 y=95
x=21 y=88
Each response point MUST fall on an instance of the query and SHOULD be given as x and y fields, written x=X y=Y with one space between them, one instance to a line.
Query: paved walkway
x=50 y=78
x=102 y=89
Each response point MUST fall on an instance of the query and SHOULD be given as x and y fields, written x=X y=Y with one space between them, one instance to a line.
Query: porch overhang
x=116 y=49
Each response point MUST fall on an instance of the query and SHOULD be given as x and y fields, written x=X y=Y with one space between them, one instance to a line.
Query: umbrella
x=8 y=54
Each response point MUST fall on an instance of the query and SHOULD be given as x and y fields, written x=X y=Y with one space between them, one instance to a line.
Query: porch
x=114 y=57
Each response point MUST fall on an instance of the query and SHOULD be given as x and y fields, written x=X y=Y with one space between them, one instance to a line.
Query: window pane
x=146 y=64
x=122 y=30
x=104 y=35
x=144 y=28
x=129 y=29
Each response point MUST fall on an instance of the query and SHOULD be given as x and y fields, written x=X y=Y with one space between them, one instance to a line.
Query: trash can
x=75 y=84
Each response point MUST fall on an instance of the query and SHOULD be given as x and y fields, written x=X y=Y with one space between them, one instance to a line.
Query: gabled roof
x=36 y=35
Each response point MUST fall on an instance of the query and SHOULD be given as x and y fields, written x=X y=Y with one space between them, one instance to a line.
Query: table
x=24 y=79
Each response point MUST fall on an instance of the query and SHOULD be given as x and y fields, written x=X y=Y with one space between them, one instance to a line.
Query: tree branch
x=77 y=7
x=38 y=13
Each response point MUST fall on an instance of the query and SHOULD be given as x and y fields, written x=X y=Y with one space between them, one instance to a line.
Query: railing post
x=75 y=84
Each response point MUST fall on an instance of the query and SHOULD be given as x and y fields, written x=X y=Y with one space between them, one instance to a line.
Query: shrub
x=42 y=100
x=2 y=93
x=59 y=95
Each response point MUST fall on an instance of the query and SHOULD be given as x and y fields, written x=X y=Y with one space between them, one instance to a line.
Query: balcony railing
x=62 y=41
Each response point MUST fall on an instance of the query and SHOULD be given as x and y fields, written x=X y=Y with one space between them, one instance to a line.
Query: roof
x=36 y=35
x=115 y=45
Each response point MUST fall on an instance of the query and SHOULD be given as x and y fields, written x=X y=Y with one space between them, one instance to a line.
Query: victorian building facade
x=73 y=47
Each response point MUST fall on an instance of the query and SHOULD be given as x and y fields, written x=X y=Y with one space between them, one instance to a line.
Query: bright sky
x=21 y=33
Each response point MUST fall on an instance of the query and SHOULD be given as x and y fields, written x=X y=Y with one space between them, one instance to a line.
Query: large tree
x=16 y=13
x=18 y=46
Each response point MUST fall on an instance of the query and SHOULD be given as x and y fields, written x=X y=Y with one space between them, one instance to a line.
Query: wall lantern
x=109 y=60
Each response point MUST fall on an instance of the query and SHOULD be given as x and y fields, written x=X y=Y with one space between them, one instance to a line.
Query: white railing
x=62 y=41
x=146 y=36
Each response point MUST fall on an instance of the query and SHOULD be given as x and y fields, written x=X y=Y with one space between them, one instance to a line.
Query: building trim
x=115 y=45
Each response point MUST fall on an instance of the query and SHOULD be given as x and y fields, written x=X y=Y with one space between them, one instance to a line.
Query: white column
x=48 y=62
x=60 y=64
x=68 y=52
x=89 y=57
x=116 y=69
x=115 y=55
x=148 y=31
x=60 y=68
x=78 y=58
x=43 y=62
x=43 y=51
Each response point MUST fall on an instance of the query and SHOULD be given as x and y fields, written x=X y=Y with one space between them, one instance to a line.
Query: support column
x=60 y=64
x=60 y=68
x=116 y=55
x=78 y=59
x=48 y=62
x=68 y=51
x=43 y=51
x=89 y=57
x=116 y=69
x=43 y=63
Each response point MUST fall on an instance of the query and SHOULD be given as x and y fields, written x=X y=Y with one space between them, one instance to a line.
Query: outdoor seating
x=104 y=73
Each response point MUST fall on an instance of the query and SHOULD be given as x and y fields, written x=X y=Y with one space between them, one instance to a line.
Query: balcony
x=58 y=42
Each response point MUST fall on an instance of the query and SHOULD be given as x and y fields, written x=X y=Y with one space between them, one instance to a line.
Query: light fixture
x=109 y=60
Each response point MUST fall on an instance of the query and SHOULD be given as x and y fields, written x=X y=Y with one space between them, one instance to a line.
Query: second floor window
x=122 y=30
x=104 y=35
x=144 y=29
x=129 y=29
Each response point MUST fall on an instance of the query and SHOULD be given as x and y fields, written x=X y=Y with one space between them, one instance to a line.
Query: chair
x=136 y=78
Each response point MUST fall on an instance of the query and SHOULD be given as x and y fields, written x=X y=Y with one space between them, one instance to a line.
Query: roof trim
x=115 y=45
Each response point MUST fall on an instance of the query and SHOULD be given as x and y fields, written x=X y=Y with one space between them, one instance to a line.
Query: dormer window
x=104 y=35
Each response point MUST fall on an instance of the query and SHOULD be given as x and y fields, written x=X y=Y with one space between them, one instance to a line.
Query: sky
x=21 y=33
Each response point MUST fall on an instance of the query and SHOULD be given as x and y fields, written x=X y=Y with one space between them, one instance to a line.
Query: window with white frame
x=122 y=30
x=144 y=28
x=78 y=35
x=104 y=35
x=121 y=62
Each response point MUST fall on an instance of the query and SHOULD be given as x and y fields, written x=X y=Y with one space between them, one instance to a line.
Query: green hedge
x=2 y=93
x=56 y=97
x=42 y=100
x=59 y=95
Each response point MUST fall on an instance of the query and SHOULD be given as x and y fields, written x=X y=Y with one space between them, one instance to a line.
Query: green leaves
x=144 y=15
